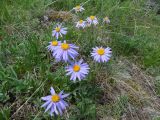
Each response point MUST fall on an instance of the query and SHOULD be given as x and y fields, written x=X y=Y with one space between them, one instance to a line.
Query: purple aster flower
x=78 y=8
x=101 y=54
x=77 y=70
x=55 y=103
x=81 y=24
x=92 y=20
x=65 y=51
x=106 y=20
x=59 y=31
x=53 y=45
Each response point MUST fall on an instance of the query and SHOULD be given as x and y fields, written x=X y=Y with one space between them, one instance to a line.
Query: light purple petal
x=45 y=104
x=52 y=110
x=57 y=35
x=64 y=103
x=61 y=93
x=46 y=98
x=59 y=108
x=65 y=95
x=52 y=91
x=49 y=106
x=55 y=108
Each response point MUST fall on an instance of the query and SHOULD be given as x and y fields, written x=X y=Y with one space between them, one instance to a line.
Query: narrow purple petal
x=55 y=108
x=52 y=91
x=49 y=106
x=65 y=103
x=45 y=104
x=46 y=98
x=61 y=93
x=59 y=109
x=65 y=95
x=52 y=110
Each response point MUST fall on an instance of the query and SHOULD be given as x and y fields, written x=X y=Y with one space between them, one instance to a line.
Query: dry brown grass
x=129 y=80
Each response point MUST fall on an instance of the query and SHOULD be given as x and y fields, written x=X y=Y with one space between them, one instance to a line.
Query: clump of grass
x=157 y=85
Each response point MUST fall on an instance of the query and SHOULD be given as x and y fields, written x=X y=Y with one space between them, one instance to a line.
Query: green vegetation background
x=27 y=70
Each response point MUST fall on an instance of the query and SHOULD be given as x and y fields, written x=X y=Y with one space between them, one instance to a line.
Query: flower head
x=53 y=45
x=59 y=31
x=106 y=20
x=81 y=24
x=78 y=8
x=77 y=70
x=92 y=20
x=65 y=51
x=54 y=102
x=101 y=54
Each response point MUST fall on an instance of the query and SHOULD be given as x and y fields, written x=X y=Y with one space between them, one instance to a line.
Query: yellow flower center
x=81 y=21
x=65 y=46
x=101 y=51
x=76 y=68
x=106 y=18
x=55 y=98
x=57 y=29
x=78 y=7
x=54 y=43
x=92 y=17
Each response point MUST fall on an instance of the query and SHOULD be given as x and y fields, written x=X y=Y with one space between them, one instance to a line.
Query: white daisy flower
x=92 y=20
x=81 y=24
x=78 y=8
x=106 y=20
x=59 y=31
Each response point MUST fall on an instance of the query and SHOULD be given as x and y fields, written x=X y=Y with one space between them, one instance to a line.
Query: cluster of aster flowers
x=67 y=52
x=90 y=20
x=64 y=51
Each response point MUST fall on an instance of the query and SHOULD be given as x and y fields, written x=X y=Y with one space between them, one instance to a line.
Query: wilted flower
x=77 y=70
x=54 y=102
x=81 y=24
x=59 y=31
x=92 y=20
x=106 y=20
x=101 y=54
x=53 y=45
x=78 y=8
x=65 y=51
